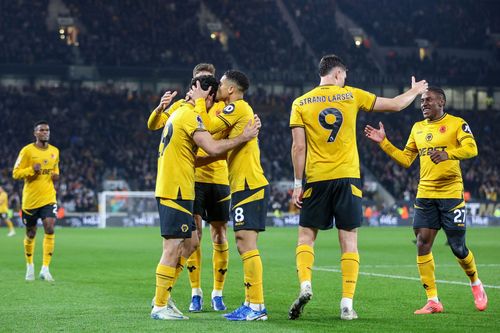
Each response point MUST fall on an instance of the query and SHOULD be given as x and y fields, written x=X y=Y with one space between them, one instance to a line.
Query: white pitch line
x=400 y=277
x=415 y=265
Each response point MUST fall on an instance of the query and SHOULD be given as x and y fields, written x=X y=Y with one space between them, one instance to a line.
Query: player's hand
x=297 y=197
x=420 y=86
x=251 y=130
x=165 y=100
x=37 y=167
x=198 y=92
x=438 y=156
x=377 y=135
x=256 y=120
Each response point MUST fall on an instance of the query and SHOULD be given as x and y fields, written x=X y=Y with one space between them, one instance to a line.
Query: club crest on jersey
x=200 y=122
x=442 y=129
x=228 y=109
x=45 y=161
x=466 y=128
x=184 y=228
x=428 y=137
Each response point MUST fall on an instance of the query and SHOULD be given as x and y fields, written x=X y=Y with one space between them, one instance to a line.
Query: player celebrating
x=38 y=165
x=212 y=197
x=175 y=193
x=323 y=123
x=4 y=212
x=249 y=189
x=441 y=140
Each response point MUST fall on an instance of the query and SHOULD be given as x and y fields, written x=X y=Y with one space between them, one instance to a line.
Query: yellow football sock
x=220 y=260
x=469 y=266
x=29 y=249
x=349 y=265
x=179 y=268
x=10 y=225
x=252 y=270
x=304 y=255
x=48 y=248
x=194 y=268
x=426 y=269
x=165 y=277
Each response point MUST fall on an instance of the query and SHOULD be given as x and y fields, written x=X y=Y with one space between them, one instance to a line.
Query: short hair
x=438 y=91
x=207 y=81
x=329 y=62
x=40 y=122
x=239 y=78
x=203 y=67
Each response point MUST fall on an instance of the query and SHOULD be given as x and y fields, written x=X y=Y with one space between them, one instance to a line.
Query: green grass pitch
x=105 y=281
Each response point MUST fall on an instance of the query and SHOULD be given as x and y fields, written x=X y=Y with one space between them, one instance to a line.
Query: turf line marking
x=415 y=265
x=400 y=277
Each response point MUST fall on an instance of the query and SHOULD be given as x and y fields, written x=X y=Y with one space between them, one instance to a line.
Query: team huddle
x=209 y=169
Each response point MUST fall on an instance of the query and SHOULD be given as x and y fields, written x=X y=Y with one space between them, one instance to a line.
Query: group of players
x=209 y=169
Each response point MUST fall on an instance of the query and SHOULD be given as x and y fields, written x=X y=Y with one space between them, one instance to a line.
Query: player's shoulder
x=53 y=148
x=178 y=103
x=238 y=106
x=454 y=119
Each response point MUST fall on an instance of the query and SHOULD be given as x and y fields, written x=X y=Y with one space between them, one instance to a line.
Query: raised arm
x=159 y=117
x=405 y=157
x=400 y=102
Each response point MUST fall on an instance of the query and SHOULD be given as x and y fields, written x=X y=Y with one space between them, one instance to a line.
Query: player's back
x=245 y=170
x=176 y=155
x=328 y=115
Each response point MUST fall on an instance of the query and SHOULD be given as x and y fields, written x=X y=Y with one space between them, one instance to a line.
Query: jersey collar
x=436 y=120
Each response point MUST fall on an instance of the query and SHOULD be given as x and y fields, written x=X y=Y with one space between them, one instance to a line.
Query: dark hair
x=207 y=81
x=203 y=67
x=239 y=78
x=438 y=91
x=40 y=122
x=329 y=62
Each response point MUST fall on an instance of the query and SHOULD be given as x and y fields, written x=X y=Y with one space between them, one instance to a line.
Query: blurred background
x=96 y=69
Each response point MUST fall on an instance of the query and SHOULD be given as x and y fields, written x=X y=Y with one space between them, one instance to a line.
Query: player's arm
x=160 y=114
x=22 y=168
x=466 y=150
x=213 y=147
x=400 y=102
x=205 y=160
x=55 y=172
x=405 y=157
x=299 y=161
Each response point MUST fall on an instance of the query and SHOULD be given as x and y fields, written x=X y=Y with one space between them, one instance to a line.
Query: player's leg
x=249 y=210
x=176 y=225
x=348 y=212
x=30 y=218
x=217 y=209
x=48 y=216
x=194 y=259
x=349 y=266
x=304 y=257
x=165 y=279
x=8 y=222
x=426 y=223
x=453 y=217
x=316 y=214
x=194 y=266
x=220 y=261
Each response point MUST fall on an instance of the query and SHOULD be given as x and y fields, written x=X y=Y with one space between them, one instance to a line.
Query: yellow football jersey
x=213 y=173
x=38 y=188
x=176 y=155
x=328 y=114
x=245 y=171
x=4 y=202
x=448 y=133
x=216 y=172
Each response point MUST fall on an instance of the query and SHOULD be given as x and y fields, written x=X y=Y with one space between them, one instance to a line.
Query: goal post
x=127 y=209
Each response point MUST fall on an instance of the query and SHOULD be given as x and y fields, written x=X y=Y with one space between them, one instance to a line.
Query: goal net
x=127 y=209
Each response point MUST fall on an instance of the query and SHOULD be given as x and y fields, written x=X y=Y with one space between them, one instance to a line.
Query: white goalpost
x=127 y=209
